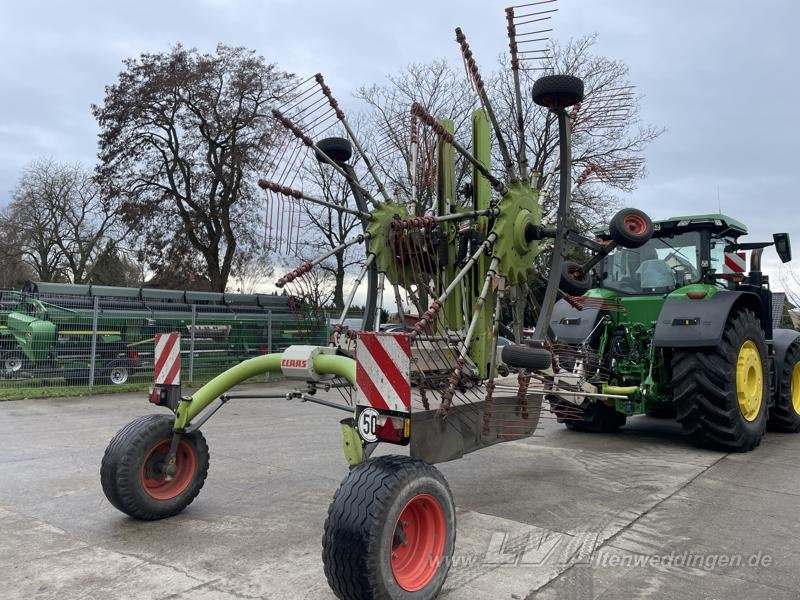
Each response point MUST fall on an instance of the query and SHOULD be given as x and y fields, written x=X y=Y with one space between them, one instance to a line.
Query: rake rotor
x=457 y=275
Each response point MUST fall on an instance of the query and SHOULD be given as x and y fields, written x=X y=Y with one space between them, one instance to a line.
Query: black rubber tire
x=338 y=149
x=666 y=411
x=520 y=356
x=596 y=417
x=120 y=471
x=782 y=416
x=557 y=91
x=704 y=388
x=18 y=358
x=360 y=528
x=109 y=377
x=631 y=228
x=574 y=282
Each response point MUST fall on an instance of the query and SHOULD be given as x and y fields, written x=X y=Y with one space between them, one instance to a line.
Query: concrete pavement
x=639 y=514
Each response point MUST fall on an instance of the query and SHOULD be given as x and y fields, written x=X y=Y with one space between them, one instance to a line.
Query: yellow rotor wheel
x=794 y=390
x=750 y=381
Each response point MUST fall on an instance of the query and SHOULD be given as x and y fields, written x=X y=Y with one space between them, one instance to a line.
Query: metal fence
x=50 y=346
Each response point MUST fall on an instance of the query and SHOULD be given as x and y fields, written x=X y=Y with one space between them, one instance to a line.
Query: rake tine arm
x=522 y=158
x=431 y=122
x=287 y=122
x=287 y=191
x=340 y=322
x=310 y=264
x=480 y=302
x=437 y=304
x=340 y=115
x=472 y=69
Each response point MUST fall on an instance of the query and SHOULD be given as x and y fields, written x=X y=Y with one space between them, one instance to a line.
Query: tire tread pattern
x=704 y=389
x=119 y=469
x=350 y=544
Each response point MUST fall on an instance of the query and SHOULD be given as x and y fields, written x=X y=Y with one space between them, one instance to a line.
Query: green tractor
x=664 y=321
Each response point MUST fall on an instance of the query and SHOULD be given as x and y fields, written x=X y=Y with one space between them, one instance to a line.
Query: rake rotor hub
x=519 y=212
x=383 y=238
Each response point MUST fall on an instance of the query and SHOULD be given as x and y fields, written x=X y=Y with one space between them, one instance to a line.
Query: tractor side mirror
x=783 y=246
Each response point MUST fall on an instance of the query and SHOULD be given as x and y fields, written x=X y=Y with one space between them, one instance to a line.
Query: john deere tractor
x=666 y=322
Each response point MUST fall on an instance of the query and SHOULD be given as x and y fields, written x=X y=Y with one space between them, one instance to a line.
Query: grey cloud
x=718 y=75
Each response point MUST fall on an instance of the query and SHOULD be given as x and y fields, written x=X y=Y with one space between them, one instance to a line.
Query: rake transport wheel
x=573 y=280
x=721 y=392
x=630 y=228
x=784 y=415
x=132 y=469
x=390 y=531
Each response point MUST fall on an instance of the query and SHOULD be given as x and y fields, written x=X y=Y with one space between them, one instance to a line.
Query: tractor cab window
x=658 y=267
x=717 y=253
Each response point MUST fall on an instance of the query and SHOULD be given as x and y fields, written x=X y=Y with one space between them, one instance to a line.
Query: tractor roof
x=718 y=223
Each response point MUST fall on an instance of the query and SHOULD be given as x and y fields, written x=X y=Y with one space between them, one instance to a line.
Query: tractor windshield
x=660 y=266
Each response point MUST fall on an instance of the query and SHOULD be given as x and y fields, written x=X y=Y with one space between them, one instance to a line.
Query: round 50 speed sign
x=368 y=424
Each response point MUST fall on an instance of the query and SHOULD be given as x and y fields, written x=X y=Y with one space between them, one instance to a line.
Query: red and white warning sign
x=383 y=365
x=735 y=262
x=167 y=367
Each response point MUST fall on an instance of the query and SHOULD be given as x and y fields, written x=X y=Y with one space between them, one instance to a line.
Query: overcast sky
x=720 y=76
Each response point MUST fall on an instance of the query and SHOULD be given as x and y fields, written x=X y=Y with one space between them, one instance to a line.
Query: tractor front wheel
x=390 y=531
x=721 y=392
x=133 y=469
x=784 y=416
x=591 y=417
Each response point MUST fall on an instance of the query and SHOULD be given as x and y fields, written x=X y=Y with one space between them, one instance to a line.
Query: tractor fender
x=573 y=326
x=687 y=323
x=782 y=340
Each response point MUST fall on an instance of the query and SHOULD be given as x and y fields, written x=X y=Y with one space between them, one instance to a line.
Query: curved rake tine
x=356 y=284
x=286 y=122
x=287 y=191
x=340 y=115
x=472 y=69
x=522 y=158
x=431 y=122
x=308 y=265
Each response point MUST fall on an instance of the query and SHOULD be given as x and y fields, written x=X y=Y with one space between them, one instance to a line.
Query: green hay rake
x=441 y=385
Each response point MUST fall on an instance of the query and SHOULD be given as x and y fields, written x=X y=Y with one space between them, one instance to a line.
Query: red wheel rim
x=418 y=542
x=152 y=476
x=635 y=224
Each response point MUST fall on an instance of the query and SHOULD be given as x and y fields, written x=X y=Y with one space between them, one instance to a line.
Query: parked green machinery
x=679 y=329
x=54 y=330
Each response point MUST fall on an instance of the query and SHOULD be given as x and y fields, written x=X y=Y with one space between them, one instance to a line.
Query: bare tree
x=251 y=271
x=444 y=92
x=331 y=228
x=789 y=280
x=182 y=136
x=316 y=287
x=60 y=221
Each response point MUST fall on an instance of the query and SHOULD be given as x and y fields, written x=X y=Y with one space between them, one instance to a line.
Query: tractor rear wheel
x=390 y=531
x=721 y=392
x=132 y=471
x=785 y=414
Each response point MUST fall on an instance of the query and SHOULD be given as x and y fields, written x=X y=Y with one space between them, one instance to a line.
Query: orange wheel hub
x=153 y=480
x=418 y=542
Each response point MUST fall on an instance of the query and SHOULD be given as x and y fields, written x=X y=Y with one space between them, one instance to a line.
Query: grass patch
x=57 y=389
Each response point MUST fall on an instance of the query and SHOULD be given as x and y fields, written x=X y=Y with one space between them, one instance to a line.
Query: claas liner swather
x=455 y=269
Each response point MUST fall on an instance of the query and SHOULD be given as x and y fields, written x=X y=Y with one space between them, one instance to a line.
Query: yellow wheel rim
x=750 y=381
x=795 y=387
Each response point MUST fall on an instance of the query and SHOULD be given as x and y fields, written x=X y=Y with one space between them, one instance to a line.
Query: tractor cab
x=683 y=251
